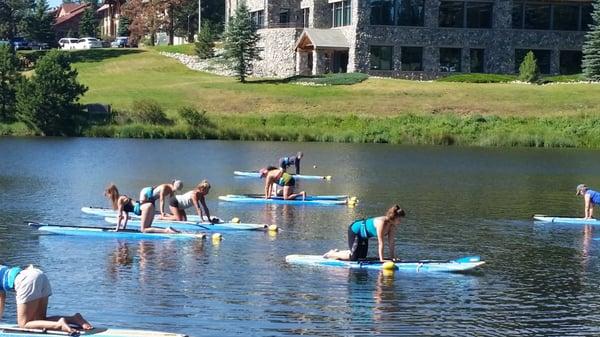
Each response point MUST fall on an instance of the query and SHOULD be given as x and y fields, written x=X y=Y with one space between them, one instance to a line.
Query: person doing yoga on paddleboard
x=164 y=193
x=285 y=162
x=124 y=205
x=590 y=198
x=360 y=231
x=195 y=198
x=32 y=289
x=277 y=176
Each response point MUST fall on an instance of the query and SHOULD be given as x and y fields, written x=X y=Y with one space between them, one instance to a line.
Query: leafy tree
x=205 y=47
x=240 y=40
x=40 y=23
x=148 y=16
x=591 y=47
x=88 y=26
x=13 y=14
x=48 y=101
x=9 y=77
x=123 y=29
x=528 y=70
x=186 y=17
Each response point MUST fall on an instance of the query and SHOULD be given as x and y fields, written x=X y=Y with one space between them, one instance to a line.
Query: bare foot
x=64 y=326
x=78 y=319
x=328 y=254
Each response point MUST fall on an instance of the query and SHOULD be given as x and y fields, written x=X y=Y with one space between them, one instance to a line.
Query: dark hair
x=394 y=213
x=271 y=168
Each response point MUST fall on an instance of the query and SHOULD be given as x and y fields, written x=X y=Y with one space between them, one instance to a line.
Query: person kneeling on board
x=277 y=176
x=163 y=192
x=32 y=289
x=590 y=198
x=124 y=205
x=285 y=162
x=360 y=231
x=195 y=197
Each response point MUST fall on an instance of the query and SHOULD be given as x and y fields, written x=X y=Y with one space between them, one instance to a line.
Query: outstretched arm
x=391 y=242
x=203 y=202
x=268 y=182
x=162 y=201
x=196 y=201
x=2 y=302
x=297 y=164
x=588 y=207
x=380 y=243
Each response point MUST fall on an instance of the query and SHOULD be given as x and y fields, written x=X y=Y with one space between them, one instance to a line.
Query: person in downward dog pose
x=195 y=198
x=360 y=231
x=164 y=193
x=285 y=162
x=125 y=205
x=277 y=176
x=590 y=198
x=32 y=290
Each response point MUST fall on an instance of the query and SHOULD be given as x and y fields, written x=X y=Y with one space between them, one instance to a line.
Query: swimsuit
x=359 y=233
x=286 y=179
x=183 y=201
x=594 y=196
x=135 y=208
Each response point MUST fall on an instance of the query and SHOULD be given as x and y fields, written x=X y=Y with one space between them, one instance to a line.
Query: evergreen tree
x=13 y=15
x=40 y=24
x=528 y=70
x=205 y=47
x=123 y=29
x=591 y=47
x=240 y=42
x=48 y=101
x=88 y=26
x=9 y=77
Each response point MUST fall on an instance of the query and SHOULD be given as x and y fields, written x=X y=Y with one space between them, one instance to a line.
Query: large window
x=381 y=57
x=557 y=16
x=479 y=14
x=452 y=14
x=342 y=13
x=476 y=56
x=258 y=18
x=382 y=12
x=410 y=12
x=542 y=57
x=450 y=59
x=570 y=62
x=412 y=59
x=305 y=17
x=284 y=16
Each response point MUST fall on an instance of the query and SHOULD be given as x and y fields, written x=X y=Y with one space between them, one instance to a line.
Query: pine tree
x=9 y=77
x=123 y=29
x=48 y=101
x=40 y=24
x=529 y=70
x=591 y=47
x=240 y=42
x=13 y=15
x=88 y=26
x=205 y=47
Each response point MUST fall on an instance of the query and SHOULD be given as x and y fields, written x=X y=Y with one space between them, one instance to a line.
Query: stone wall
x=278 y=52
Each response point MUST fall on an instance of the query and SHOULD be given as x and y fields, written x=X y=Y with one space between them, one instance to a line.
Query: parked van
x=68 y=43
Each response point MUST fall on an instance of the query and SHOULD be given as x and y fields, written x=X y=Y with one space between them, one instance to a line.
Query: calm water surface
x=539 y=280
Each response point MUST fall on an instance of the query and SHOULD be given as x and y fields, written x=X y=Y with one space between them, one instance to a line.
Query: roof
x=69 y=11
x=323 y=38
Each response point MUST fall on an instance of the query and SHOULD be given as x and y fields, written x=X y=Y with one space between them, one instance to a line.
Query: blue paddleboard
x=109 y=212
x=194 y=226
x=111 y=233
x=256 y=174
x=298 y=201
x=8 y=330
x=566 y=220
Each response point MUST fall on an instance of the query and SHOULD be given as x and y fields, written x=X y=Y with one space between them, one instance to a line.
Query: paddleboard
x=299 y=201
x=111 y=233
x=460 y=264
x=308 y=197
x=193 y=226
x=104 y=212
x=256 y=174
x=566 y=220
x=7 y=330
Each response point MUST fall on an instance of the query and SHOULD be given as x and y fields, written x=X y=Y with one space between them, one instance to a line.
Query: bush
x=205 y=47
x=148 y=111
x=9 y=77
x=332 y=79
x=528 y=70
x=478 y=78
x=194 y=117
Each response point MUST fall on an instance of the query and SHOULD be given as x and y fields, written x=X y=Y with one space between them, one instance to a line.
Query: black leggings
x=359 y=246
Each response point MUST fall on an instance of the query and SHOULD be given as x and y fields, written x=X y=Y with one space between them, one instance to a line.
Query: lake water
x=539 y=279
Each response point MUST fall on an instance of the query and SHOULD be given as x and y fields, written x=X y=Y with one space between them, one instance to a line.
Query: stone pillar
x=465 y=60
x=555 y=61
x=431 y=59
x=316 y=61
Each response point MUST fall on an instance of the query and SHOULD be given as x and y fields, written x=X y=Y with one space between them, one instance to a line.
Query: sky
x=54 y=3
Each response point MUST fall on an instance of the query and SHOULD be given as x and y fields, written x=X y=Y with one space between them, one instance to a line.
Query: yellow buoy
x=351 y=205
x=388 y=272
x=314 y=166
x=273 y=228
x=235 y=220
x=389 y=265
x=354 y=199
x=328 y=178
x=217 y=237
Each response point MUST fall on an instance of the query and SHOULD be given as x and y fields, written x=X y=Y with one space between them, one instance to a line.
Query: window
x=566 y=17
x=381 y=57
x=542 y=57
x=479 y=14
x=537 y=16
x=451 y=14
x=305 y=17
x=412 y=59
x=586 y=17
x=476 y=56
x=342 y=13
x=410 y=12
x=517 y=15
x=570 y=62
x=382 y=12
x=284 y=16
x=258 y=18
x=450 y=60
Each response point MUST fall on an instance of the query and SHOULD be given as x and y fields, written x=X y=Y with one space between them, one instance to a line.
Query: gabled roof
x=322 y=38
x=69 y=11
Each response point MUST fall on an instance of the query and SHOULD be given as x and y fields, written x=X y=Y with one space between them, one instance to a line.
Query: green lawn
x=120 y=76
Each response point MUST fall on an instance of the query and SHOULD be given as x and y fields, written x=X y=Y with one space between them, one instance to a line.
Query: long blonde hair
x=395 y=212
x=203 y=186
x=112 y=193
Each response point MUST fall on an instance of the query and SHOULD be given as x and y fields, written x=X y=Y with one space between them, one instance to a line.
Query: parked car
x=39 y=45
x=89 y=43
x=120 y=42
x=20 y=43
x=68 y=43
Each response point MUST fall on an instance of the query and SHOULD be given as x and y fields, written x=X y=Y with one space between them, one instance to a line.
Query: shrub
x=148 y=111
x=478 y=78
x=332 y=79
x=528 y=70
x=194 y=117
x=205 y=47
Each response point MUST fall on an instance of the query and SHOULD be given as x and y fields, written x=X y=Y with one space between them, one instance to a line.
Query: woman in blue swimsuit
x=590 y=198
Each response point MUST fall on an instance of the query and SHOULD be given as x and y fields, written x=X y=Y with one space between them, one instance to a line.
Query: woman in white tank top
x=195 y=198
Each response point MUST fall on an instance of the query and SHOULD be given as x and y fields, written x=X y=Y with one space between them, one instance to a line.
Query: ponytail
x=203 y=186
x=112 y=193
x=395 y=212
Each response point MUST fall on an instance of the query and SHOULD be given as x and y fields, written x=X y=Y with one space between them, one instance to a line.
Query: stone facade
x=499 y=43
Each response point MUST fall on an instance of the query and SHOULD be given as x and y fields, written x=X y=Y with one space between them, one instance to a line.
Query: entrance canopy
x=312 y=39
